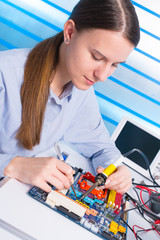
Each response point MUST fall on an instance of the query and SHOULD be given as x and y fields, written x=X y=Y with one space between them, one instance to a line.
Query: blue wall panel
x=134 y=88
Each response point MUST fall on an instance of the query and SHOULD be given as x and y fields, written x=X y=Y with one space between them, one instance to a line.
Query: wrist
x=10 y=169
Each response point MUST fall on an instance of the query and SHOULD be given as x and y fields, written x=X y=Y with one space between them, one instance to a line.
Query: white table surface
x=42 y=223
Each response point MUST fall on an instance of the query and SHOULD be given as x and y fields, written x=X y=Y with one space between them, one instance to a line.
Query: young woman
x=46 y=95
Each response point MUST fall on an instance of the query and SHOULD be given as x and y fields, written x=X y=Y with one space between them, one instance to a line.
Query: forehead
x=111 y=44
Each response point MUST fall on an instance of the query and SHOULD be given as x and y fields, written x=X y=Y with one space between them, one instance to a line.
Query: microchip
x=91 y=221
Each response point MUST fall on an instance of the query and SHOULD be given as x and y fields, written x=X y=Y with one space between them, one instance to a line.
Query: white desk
x=42 y=223
x=7 y=235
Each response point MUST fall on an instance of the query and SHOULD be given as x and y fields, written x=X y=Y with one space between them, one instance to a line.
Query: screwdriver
x=100 y=178
x=59 y=154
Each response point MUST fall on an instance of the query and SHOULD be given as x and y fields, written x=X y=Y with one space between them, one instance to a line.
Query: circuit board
x=99 y=212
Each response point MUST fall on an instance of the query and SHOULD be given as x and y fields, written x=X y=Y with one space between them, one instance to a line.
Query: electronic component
x=99 y=212
x=100 y=178
x=113 y=227
x=55 y=198
x=107 y=236
x=155 y=202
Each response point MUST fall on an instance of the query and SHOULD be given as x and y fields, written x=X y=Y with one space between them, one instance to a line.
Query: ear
x=69 y=30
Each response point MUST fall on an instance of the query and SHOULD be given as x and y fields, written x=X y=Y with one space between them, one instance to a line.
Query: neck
x=60 y=77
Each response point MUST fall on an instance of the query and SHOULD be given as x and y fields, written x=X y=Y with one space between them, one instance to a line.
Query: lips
x=89 y=81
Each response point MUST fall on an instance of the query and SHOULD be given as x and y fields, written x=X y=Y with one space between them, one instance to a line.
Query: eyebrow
x=105 y=56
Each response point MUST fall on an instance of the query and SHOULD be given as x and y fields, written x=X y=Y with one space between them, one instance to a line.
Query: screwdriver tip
x=74 y=190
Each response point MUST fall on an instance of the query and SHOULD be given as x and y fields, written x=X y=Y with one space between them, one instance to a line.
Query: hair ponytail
x=41 y=62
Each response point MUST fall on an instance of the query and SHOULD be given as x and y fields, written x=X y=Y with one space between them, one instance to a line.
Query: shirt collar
x=67 y=93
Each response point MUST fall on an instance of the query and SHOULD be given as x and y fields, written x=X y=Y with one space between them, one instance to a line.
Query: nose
x=103 y=72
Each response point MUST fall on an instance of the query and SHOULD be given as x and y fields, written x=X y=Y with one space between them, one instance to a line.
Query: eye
x=115 y=65
x=96 y=58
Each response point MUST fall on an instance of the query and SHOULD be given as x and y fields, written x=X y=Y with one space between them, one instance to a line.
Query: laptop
x=129 y=135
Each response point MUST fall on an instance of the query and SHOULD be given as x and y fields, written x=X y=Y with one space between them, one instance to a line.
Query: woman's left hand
x=120 y=180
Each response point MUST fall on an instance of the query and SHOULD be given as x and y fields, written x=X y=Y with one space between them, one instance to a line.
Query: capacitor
x=102 y=220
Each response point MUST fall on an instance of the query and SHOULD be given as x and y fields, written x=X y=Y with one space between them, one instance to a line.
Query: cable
x=140 y=208
x=146 y=161
x=145 y=185
x=138 y=205
x=130 y=228
x=142 y=230
x=137 y=194
x=141 y=211
x=127 y=223
x=143 y=188
x=123 y=212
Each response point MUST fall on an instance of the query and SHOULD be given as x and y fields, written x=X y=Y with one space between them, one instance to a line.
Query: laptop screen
x=131 y=136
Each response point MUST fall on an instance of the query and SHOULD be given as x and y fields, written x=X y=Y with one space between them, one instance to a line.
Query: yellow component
x=82 y=204
x=111 y=198
x=121 y=229
x=113 y=227
x=109 y=170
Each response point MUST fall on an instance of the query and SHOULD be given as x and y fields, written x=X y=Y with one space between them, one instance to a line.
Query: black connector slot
x=74 y=216
x=62 y=209
x=69 y=214
x=108 y=236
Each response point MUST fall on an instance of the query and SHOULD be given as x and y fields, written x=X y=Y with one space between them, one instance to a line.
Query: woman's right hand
x=41 y=171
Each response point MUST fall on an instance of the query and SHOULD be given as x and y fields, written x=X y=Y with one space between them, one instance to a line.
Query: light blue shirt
x=74 y=118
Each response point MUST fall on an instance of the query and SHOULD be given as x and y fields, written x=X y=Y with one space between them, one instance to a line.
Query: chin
x=83 y=88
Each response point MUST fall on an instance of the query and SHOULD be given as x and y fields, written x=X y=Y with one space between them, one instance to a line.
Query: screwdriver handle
x=58 y=151
x=112 y=167
x=109 y=170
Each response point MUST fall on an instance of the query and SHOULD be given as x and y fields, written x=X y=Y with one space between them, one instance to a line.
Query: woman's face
x=93 y=55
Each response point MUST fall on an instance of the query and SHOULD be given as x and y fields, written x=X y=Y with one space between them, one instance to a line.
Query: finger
x=114 y=180
x=117 y=176
x=120 y=171
x=70 y=176
x=121 y=175
x=65 y=168
x=100 y=169
x=118 y=181
x=67 y=171
x=55 y=182
x=44 y=186
x=62 y=178
x=120 y=186
x=125 y=189
x=70 y=179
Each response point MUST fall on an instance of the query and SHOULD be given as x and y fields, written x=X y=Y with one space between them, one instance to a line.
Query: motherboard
x=100 y=212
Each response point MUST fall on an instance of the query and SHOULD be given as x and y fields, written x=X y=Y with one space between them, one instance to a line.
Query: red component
x=118 y=200
x=90 y=177
x=84 y=185
x=99 y=194
x=80 y=179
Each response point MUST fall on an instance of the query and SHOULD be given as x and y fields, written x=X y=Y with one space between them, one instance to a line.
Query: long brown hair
x=115 y=15
x=41 y=62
